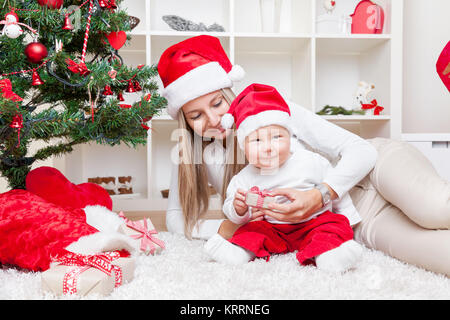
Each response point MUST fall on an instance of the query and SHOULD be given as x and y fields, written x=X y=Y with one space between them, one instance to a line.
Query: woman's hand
x=257 y=215
x=303 y=205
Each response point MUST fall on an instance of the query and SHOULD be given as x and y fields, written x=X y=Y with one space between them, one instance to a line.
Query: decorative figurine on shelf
x=124 y=185
x=443 y=66
x=363 y=101
x=367 y=18
x=362 y=93
x=180 y=24
x=329 y=6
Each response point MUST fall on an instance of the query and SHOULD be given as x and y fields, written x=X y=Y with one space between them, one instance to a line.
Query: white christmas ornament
x=12 y=27
x=12 y=31
x=329 y=5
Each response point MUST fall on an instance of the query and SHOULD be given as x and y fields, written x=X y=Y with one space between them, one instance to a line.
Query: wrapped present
x=145 y=234
x=79 y=274
x=258 y=199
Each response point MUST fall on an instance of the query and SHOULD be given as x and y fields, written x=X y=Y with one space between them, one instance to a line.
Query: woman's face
x=203 y=115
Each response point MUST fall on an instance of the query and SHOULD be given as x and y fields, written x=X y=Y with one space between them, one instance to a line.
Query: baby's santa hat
x=257 y=106
x=193 y=68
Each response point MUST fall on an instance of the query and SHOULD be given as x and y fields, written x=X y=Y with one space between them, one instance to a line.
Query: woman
x=198 y=76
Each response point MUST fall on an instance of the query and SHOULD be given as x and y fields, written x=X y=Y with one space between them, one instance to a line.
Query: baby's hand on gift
x=239 y=202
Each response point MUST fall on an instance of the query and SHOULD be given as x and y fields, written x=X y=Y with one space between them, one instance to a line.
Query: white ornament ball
x=329 y=5
x=13 y=31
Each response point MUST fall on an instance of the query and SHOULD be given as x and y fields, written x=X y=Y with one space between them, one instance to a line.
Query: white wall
x=426 y=101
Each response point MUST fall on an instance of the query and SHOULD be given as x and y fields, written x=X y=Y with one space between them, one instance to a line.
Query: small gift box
x=145 y=234
x=80 y=274
x=258 y=199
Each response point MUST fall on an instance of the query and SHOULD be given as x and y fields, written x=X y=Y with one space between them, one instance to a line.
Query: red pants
x=311 y=238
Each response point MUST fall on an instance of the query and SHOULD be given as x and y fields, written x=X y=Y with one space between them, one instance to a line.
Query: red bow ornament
x=80 y=68
x=7 y=93
x=373 y=105
x=145 y=231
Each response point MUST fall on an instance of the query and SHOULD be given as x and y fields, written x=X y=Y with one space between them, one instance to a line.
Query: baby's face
x=268 y=147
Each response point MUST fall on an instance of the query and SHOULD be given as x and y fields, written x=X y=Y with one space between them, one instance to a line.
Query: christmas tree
x=62 y=81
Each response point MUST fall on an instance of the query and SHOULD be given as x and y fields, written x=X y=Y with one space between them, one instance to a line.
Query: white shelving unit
x=310 y=69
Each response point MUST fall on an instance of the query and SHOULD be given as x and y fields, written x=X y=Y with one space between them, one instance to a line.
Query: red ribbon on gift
x=80 y=68
x=373 y=105
x=7 y=93
x=100 y=261
x=148 y=241
x=261 y=195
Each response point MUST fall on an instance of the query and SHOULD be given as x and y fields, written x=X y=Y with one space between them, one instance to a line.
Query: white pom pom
x=237 y=73
x=227 y=121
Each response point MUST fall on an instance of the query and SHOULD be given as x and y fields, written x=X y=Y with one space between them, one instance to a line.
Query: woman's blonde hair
x=193 y=185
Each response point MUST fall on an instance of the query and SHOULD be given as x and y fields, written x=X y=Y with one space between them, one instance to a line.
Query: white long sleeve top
x=352 y=158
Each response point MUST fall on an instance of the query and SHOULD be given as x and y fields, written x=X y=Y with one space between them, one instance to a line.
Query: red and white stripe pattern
x=86 y=34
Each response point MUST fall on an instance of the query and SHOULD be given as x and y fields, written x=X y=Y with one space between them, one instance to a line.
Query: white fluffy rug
x=183 y=271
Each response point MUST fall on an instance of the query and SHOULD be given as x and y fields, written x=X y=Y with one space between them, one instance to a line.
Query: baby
x=265 y=133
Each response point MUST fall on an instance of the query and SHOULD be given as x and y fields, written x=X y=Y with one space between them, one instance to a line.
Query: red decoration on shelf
x=443 y=66
x=52 y=4
x=368 y=18
x=373 y=105
x=37 y=81
x=35 y=52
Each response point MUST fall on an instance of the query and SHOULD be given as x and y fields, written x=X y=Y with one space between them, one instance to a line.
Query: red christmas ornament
x=37 y=81
x=137 y=86
x=17 y=123
x=52 y=4
x=107 y=4
x=120 y=96
x=67 y=23
x=35 y=52
x=107 y=91
x=130 y=88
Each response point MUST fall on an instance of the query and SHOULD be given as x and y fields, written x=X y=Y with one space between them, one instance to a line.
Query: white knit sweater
x=352 y=157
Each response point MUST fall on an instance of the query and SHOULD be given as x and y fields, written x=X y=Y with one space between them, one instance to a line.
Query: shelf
x=348 y=45
x=352 y=36
x=309 y=68
x=357 y=118
x=187 y=33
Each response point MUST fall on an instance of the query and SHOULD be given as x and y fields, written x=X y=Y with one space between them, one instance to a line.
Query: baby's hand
x=239 y=202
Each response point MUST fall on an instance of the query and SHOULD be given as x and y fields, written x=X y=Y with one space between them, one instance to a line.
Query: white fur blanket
x=183 y=271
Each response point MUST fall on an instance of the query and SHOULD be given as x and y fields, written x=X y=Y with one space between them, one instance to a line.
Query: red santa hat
x=257 y=106
x=193 y=68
